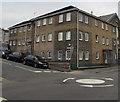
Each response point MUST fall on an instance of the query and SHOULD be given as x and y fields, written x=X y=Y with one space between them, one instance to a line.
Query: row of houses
x=69 y=36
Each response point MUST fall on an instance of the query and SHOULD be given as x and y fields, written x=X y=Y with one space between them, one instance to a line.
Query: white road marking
x=46 y=71
x=104 y=78
x=108 y=79
x=55 y=71
x=92 y=86
x=24 y=68
x=67 y=79
x=2 y=99
x=37 y=71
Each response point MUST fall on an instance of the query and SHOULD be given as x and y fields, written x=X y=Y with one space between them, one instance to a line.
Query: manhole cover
x=90 y=81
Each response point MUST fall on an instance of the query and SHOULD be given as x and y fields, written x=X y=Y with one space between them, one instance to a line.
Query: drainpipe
x=77 y=41
x=117 y=42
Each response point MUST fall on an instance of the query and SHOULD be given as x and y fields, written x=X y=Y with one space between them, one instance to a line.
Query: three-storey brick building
x=68 y=35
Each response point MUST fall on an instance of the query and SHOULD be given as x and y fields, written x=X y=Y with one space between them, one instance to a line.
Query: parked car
x=16 y=56
x=35 y=61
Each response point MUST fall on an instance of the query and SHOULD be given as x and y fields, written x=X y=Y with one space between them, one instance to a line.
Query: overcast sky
x=16 y=12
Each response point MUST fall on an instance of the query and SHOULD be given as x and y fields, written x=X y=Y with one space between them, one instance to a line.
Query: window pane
x=49 y=37
x=80 y=35
x=80 y=17
x=60 y=55
x=68 y=55
x=60 y=36
x=60 y=18
x=80 y=55
x=68 y=35
x=68 y=17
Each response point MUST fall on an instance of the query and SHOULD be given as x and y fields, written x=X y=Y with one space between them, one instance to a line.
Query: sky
x=14 y=12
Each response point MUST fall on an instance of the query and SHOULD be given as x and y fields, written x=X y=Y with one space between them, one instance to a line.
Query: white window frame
x=86 y=19
x=87 y=55
x=103 y=25
x=44 y=37
x=68 y=16
x=60 y=36
x=20 y=29
x=38 y=38
x=25 y=28
x=86 y=36
x=107 y=41
x=43 y=54
x=61 y=18
x=11 y=43
x=19 y=42
x=29 y=27
x=97 y=55
x=60 y=56
x=50 y=37
x=97 y=38
x=103 y=40
x=68 y=35
x=50 y=20
x=96 y=22
x=15 y=30
x=113 y=29
x=23 y=41
x=14 y=42
x=68 y=57
x=49 y=54
x=81 y=55
x=80 y=17
x=106 y=27
x=80 y=35
x=38 y=23
x=44 y=21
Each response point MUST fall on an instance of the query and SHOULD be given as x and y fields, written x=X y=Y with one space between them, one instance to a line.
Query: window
x=15 y=30
x=87 y=55
x=50 y=20
x=44 y=21
x=80 y=17
x=23 y=42
x=97 y=55
x=49 y=54
x=86 y=37
x=114 y=42
x=96 y=22
x=103 y=40
x=43 y=55
x=49 y=37
x=19 y=42
x=38 y=23
x=81 y=55
x=86 y=19
x=97 y=38
x=61 y=18
x=11 y=31
x=29 y=27
x=68 y=35
x=106 y=26
x=43 y=37
x=80 y=35
x=68 y=17
x=25 y=27
x=107 y=41
x=68 y=55
x=10 y=43
x=102 y=25
x=37 y=38
x=60 y=55
x=113 y=28
x=60 y=36
x=14 y=42
x=20 y=29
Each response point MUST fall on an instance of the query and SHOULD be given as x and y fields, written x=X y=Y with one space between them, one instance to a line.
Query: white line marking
x=67 y=79
x=104 y=78
x=2 y=99
x=7 y=63
x=24 y=68
x=55 y=71
x=37 y=71
x=92 y=86
x=46 y=71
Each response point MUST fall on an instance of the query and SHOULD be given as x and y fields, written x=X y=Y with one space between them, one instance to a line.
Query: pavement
x=22 y=82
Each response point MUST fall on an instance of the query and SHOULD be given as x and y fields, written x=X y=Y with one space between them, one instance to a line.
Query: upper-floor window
x=106 y=26
x=68 y=17
x=50 y=37
x=68 y=35
x=20 y=29
x=60 y=54
x=43 y=37
x=50 y=20
x=113 y=29
x=38 y=23
x=10 y=43
x=37 y=38
x=44 y=21
x=80 y=35
x=81 y=55
x=49 y=55
x=102 y=25
x=68 y=55
x=61 y=18
x=15 y=30
x=23 y=42
x=107 y=41
x=14 y=42
x=114 y=42
x=80 y=17
x=86 y=19
x=97 y=38
x=60 y=36
x=11 y=31
x=87 y=54
x=96 y=22
x=29 y=27
x=86 y=37
x=97 y=55
x=103 y=40
x=25 y=27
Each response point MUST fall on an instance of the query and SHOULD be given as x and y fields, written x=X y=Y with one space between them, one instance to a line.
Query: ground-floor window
x=87 y=54
x=60 y=54
x=49 y=54
x=68 y=55
x=81 y=55
x=43 y=55
x=97 y=55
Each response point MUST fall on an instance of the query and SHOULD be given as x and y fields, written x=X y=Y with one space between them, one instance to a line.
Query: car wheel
x=24 y=62
x=35 y=65
x=8 y=57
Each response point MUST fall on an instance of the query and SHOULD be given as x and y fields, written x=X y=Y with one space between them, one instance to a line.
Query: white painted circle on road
x=90 y=81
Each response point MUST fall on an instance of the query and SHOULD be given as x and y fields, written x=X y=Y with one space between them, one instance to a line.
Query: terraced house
x=68 y=36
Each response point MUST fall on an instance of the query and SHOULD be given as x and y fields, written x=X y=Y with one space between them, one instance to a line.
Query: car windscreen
x=40 y=59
